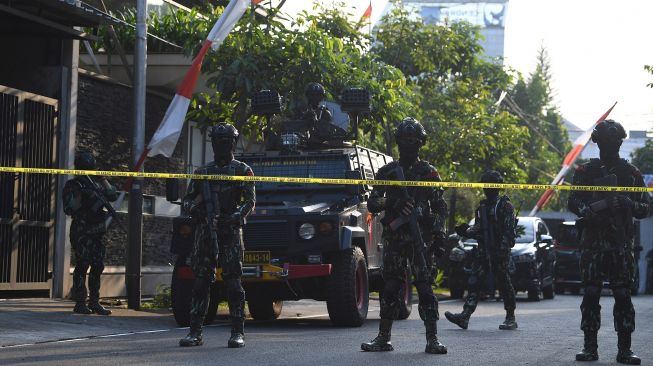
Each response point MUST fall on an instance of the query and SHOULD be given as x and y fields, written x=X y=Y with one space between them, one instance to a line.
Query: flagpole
x=135 y=186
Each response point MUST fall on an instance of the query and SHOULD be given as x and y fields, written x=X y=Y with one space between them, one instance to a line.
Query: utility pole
x=135 y=234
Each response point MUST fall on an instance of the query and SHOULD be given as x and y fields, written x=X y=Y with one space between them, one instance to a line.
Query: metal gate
x=28 y=138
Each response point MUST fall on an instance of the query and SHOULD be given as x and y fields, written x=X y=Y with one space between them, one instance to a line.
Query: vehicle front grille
x=266 y=235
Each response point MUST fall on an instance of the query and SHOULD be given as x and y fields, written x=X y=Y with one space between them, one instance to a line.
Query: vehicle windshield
x=524 y=229
x=299 y=167
x=568 y=236
x=526 y=232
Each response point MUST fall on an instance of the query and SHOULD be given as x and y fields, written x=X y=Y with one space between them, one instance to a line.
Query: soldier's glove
x=233 y=219
x=461 y=230
x=621 y=202
x=587 y=213
x=404 y=206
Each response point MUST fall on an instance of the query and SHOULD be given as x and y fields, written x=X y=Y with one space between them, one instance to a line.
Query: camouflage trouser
x=399 y=263
x=498 y=264
x=203 y=264
x=89 y=252
x=617 y=268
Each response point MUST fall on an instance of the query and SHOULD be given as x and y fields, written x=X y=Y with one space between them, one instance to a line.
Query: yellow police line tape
x=335 y=181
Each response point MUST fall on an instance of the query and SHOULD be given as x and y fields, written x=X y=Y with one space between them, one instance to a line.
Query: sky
x=597 y=49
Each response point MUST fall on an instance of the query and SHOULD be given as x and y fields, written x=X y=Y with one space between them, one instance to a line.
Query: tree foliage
x=642 y=157
x=548 y=140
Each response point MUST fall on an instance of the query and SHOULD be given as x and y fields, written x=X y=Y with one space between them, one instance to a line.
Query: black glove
x=461 y=230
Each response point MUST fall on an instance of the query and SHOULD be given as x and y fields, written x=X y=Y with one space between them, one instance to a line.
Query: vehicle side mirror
x=354 y=188
x=172 y=190
x=546 y=239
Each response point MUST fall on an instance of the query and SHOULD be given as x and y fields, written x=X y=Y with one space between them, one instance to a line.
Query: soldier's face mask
x=409 y=147
x=223 y=146
x=313 y=99
x=491 y=193
x=609 y=146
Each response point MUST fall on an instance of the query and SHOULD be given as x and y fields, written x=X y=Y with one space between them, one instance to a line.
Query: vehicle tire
x=575 y=290
x=407 y=299
x=548 y=292
x=264 y=307
x=181 y=292
x=457 y=292
x=559 y=290
x=534 y=293
x=214 y=301
x=348 y=289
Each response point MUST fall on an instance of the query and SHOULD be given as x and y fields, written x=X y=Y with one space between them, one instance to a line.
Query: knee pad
x=621 y=293
x=234 y=285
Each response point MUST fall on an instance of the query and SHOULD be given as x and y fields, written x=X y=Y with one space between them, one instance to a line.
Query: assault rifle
x=603 y=206
x=411 y=219
x=97 y=193
x=212 y=211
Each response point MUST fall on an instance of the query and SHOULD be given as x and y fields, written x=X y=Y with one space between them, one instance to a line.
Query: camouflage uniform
x=236 y=201
x=398 y=246
x=86 y=232
x=490 y=258
x=495 y=260
x=607 y=240
x=400 y=252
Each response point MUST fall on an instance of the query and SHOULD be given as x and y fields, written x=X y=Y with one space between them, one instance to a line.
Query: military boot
x=382 y=342
x=510 y=323
x=81 y=308
x=432 y=344
x=589 y=352
x=194 y=337
x=237 y=338
x=98 y=309
x=625 y=355
x=461 y=320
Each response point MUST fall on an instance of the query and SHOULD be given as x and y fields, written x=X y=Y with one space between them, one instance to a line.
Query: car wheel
x=348 y=289
x=548 y=292
x=406 y=306
x=181 y=292
x=534 y=294
x=575 y=290
x=559 y=290
x=264 y=307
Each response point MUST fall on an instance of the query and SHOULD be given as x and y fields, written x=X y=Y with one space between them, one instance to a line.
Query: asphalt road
x=548 y=334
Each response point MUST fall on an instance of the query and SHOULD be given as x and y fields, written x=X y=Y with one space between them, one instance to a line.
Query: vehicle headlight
x=457 y=255
x=523 y=258
x=306 y=231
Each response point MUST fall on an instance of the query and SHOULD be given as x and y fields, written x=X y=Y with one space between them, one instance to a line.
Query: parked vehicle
x=532 y=261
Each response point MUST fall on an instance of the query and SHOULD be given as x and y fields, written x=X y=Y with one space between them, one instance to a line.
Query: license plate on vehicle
x=256 y=257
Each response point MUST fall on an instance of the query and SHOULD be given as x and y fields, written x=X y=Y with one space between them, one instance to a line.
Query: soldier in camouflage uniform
x=321 y=129
x=490 y=260
x=606 y=220
x=235 y=200
x=399 y=244
x=82 y=200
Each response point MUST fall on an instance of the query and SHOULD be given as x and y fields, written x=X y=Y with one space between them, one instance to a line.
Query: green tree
x=457 y=89
x=548 y=140
x=642 y=157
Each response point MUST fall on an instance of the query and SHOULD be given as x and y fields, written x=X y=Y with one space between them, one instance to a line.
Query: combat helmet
x=608 y=130
x=410 y=129
x=223 y=131
x=491 y=176
x=84 y=160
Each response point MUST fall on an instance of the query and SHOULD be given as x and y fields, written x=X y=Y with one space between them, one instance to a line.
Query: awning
x=51 y=18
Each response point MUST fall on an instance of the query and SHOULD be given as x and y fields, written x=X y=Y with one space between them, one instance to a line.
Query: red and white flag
x=579 y=146
x=368 y=13
x=166 y=136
